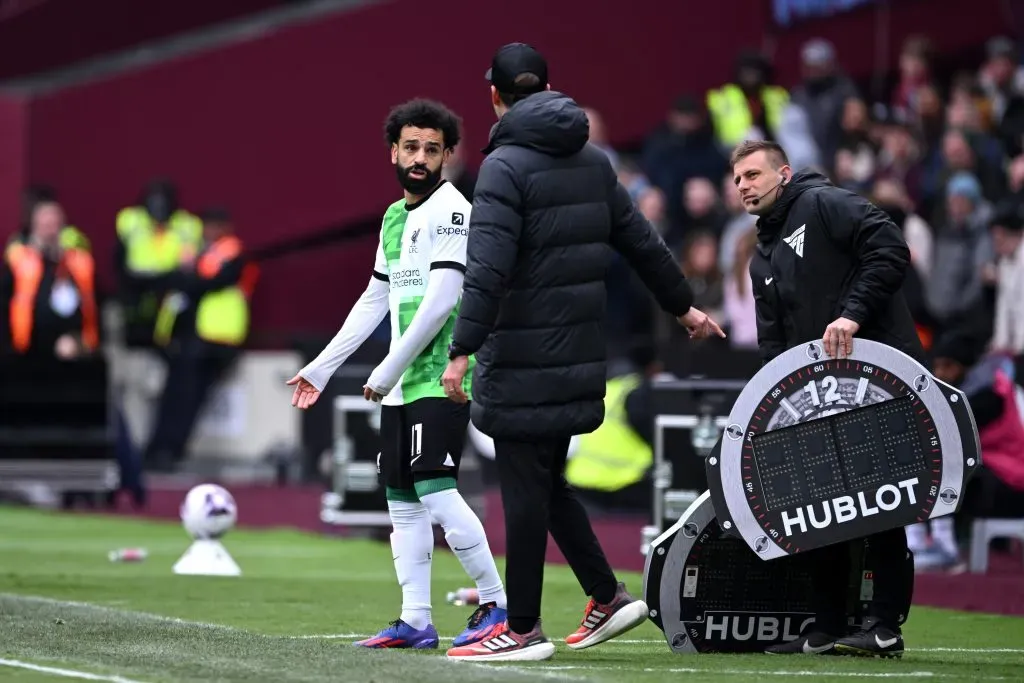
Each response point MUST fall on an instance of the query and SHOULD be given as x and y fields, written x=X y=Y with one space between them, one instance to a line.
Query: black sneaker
x=874 y=639
x=810 y=643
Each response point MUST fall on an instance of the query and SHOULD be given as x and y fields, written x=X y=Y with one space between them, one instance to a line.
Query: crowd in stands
x=943 y=157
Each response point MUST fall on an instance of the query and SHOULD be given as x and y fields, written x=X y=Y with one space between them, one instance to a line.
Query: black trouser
x=892 y=586
x=191 y=373
x=536 y=500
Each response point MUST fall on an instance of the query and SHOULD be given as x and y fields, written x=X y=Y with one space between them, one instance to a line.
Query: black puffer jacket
x=824 y=252
x=547 y=208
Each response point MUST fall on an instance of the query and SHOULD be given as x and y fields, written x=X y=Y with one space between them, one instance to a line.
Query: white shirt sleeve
x=443 y=291
x=367 y=313
x=449 y=238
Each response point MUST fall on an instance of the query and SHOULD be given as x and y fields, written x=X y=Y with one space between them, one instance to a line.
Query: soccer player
x=421 y=258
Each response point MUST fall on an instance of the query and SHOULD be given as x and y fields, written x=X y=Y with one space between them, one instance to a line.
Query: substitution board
x=708 y=593
x=820 y=450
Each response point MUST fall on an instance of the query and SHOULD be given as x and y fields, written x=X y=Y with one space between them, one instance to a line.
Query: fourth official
x=830 y=263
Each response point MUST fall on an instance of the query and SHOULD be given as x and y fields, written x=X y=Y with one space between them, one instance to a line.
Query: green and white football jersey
x=413 y=244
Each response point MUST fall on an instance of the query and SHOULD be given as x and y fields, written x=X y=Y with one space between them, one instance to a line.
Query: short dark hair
x=527 y=84
x=776 y=155
x=421 y=113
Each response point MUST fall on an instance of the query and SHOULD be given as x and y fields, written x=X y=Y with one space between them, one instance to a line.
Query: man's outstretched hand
x=305 y=394
x=700 y=325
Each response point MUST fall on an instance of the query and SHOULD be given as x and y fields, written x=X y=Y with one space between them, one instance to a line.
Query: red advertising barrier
x=38 y=35
x=13 y=142
x=286 y=130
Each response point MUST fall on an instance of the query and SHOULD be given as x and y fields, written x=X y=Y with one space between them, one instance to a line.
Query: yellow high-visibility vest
x=730 y=111
x=613 y=456
x=222 y=316
x=152 y=251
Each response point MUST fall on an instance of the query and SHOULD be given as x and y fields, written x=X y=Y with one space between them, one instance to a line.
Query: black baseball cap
x=514 y=60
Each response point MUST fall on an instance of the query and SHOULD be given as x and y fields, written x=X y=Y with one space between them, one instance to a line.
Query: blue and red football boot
x=399 y=634
x=482 y=624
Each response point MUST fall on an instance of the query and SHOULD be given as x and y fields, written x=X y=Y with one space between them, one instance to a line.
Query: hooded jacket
x=825 y=253
x=547 y=210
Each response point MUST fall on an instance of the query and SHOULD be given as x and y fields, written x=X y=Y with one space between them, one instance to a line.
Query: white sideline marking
x=66 y=673
x=753 y=673
x=1016 y=650
x=92 y=607
x=655 y=641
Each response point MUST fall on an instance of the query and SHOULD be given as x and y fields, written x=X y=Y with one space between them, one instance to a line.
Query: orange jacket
x=26 y=264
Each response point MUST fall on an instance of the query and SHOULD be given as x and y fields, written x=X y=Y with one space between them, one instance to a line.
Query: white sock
x=466 y=537
x=917 y=537
x=412 y=543
x=942 y=533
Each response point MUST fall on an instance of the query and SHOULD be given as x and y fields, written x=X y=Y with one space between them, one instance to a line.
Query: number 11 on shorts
x=417 y=441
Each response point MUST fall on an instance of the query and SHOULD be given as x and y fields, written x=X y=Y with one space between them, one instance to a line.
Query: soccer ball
x=209 y=511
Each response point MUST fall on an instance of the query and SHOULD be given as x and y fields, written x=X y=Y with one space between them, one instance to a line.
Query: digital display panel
x=848 y=451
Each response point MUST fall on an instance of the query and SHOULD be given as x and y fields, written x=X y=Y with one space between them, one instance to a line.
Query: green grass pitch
x=67 y=613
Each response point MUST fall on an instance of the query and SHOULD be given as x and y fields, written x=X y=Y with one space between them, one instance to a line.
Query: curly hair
x=421 y=113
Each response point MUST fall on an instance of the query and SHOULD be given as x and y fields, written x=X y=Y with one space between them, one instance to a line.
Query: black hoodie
x=824 y=253
x=547 y=208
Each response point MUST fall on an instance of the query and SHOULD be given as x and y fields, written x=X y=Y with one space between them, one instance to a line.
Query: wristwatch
x=454 y=351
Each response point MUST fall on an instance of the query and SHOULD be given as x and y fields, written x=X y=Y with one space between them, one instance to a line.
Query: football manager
x=547 y=211
x=830 y=264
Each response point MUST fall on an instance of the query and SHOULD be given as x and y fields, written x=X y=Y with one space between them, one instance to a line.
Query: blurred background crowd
x=941 y=155
x=212 y=234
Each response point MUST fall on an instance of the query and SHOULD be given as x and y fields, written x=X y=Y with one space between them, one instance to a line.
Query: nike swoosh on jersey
x=768 y=280
x=886 y=643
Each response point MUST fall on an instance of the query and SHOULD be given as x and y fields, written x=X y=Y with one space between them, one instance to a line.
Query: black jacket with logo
x=824 y=253
x=547 y=209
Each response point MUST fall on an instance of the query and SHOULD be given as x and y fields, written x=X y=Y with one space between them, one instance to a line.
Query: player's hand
x=452 y=378
x=838 y=337
x=699 y=324
x=371 y=394
x=305 y=394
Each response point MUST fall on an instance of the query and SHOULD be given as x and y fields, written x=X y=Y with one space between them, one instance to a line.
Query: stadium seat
x=982 y=533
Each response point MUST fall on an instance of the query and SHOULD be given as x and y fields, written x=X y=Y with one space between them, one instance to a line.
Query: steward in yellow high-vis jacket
x=202 y=324
x=154 y=239
x=749 y=107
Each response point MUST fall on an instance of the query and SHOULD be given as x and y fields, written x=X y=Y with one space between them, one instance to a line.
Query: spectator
x=891 y=197
x=958 y=156
x=1006 y=240
x=701 y=209
x=633 y=178
x=738 y=299
x=997 y=488
x=859 y=151
x=599 y=136
x=901 y=156
x=962 y=248
x=822 y=95
x=915 y=76
x=49 y=291
x=795 y=134
x=751 y=107
x=1002 y=81
x=682 y=148
x=928 y=115
x=651 y=203
x=1015 y=180
x=700 y=266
